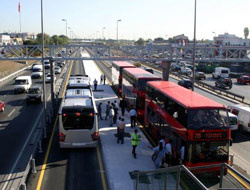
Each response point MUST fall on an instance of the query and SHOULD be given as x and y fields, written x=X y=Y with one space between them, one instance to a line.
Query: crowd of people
x=165 y=154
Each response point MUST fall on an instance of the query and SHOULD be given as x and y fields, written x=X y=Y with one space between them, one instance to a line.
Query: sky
x=139 y=18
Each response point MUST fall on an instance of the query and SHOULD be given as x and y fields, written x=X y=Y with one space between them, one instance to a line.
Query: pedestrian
x=169 y=152
x=132 y=114
x=116 y=113
x=104 y=79
x=135 y=140
x=117 y=123
x=111 y=116
x=182 y=153
x=101 y=79
x=121 y=131
x=116 y=105
x=107 y=110
x=158 y=155
x=123 y=105
x=99 y=109
x=95 y=84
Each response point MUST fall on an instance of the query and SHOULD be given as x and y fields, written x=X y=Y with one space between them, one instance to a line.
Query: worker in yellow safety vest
x=135 y=139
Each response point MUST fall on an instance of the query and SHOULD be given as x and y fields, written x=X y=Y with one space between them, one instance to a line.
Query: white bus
x=78 y=120
x=78 y=81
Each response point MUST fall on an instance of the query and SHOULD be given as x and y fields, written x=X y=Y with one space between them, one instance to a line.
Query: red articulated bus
x=184 y=116
x=117 y=67
x=134 y=88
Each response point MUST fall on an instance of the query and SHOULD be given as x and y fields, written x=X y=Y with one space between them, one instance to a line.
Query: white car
x=37 y=71
x=186 y=71
x=48 y=77
x=57 y=70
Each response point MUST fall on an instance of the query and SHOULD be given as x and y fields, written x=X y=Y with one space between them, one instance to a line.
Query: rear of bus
x=78 y=124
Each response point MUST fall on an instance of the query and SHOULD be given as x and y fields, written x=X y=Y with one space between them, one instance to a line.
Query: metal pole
x=44 y=87
x=52 y=84
x=66 y=28
x=194 y=45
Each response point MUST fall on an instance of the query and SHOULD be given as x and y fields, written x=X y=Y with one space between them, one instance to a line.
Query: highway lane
x=69 y=168
x=16 y=123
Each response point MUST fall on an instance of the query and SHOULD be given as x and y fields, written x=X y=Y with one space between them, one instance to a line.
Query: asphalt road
x=69 y=168
x=16 y=123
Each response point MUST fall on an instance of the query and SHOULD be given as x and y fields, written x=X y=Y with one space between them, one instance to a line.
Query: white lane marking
x=21 y=152
x=11 y=112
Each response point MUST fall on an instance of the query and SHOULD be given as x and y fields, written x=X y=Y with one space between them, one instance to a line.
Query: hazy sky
x=140 y=18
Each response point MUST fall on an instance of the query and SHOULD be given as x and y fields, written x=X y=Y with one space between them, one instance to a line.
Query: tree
x=137 y=64
x=159 y=39
x=39 y=39
x=246 y=32
x=140 y=41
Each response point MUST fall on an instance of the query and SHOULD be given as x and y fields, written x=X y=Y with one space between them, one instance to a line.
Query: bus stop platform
x=123 y=171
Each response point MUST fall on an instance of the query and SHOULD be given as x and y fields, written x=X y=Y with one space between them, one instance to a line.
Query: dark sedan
x=187 y=83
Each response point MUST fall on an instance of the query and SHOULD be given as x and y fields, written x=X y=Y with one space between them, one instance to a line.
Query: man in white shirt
x=132 y=114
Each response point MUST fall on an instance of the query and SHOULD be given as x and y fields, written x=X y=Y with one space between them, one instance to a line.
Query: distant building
x=181 y=40
x=230 y=40
x=5 y=39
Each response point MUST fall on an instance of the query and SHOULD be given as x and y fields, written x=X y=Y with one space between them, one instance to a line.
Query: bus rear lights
x=62 y=137
x=91 y=114
x=64 y=115
x=78 y=114
x=95 y=136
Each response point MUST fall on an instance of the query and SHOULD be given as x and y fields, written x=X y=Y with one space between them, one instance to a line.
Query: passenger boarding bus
x=117 y=67
x=134 y=88
x=78 y=122
x=188 y=118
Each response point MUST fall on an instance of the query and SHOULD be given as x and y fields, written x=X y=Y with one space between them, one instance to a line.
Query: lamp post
x=117 y=31
x=44 y=87
x=103 y=32
x=194 y=48
x=214 y=34
x=96 y=35
x=66 y=25
x=69 y=32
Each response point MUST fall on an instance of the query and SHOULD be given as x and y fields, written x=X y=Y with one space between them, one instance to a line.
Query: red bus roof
x=140 y=73
x=123 y=64
x=183 y=96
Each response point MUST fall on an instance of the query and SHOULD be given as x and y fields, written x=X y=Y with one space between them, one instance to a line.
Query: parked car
x=48 y=78
x=2 y=105
x=187 y=83
x=200 y=75
x=35 y=94
x=243 y=79
x=186 y=71
x=225 y=83
x=57 y=70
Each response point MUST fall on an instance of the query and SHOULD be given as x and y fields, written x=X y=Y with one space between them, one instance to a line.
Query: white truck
x=243 y=114
x=221 y=72
x=22 y=84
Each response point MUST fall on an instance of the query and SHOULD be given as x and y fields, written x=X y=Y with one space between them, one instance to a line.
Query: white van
x=243 y=114
x=37 y=71
x=22 y=84
x=221 y=72
x=233 y=123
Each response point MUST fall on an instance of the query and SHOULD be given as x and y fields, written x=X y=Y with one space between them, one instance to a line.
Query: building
x=181 y=40
x=230 y=40
x=5 y=39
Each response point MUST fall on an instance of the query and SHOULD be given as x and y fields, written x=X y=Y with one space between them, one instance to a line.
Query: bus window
x=207 y=119
x=78 y=120
x=209 y=151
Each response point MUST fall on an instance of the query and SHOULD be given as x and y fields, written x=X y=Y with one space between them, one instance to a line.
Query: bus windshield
x=207 y=119
x=78 y=119
x=208 y=151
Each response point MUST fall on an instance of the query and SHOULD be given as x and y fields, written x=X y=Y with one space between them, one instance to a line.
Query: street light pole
x=103 y=32
x=65 y=20
x=44 y=87
x=194 y=48
x=117 y=31
x=69 y=32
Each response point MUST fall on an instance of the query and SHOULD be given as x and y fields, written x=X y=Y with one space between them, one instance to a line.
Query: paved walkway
x=118 y=158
